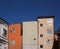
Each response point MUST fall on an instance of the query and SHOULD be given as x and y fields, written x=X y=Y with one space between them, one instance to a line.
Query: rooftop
x=41 y=17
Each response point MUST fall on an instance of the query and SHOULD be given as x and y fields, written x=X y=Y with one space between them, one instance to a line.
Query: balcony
x=3 y=41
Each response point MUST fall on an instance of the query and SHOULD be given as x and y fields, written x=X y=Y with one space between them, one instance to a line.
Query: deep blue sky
x=15 y=11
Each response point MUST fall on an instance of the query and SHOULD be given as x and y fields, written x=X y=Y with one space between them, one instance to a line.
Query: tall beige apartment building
x=30 y=35
x=45 y=32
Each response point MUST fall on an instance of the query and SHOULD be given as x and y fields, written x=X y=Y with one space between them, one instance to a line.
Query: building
x=29 y=35
x=15 y=36
x=45 y=32
x=57 y=40
x=3 y=34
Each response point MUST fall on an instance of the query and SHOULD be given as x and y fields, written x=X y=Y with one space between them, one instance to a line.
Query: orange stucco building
x=15 y=36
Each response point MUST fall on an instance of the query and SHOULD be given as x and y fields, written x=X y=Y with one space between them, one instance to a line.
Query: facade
x=45 y=32
x=36 y=34
x=30 y=35
x=3 y=34
x=14 y=36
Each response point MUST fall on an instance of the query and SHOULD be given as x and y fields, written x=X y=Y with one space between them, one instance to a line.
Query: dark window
x=41 y=46
x=41 y=25
x=12 y=30
x=34 y=38
x=5 y=48
x=41 y=35
x=4 y=32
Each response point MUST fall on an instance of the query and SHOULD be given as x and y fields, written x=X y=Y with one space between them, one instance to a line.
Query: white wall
x=30 y=47
x=1 y=32
x=1 y=29
x=29 y=33
x=3 y=46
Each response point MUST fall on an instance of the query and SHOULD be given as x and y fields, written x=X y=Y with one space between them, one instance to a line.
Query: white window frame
x=41 y=24
x=49 y=31
x=12 y=30
x=48 y=41
x=12 y=41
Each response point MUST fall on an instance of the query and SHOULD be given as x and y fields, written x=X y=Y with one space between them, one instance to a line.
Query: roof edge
x=41 y=17
x=4 y=20
x=15 y=23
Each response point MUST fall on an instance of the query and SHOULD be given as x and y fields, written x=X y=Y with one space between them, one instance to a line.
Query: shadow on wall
x=55 y=45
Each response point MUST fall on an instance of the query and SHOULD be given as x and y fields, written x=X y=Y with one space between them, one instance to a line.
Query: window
x=48 y=41
x=12 y=42
x=41 y=25
x=41 y=46
x=41 y=35
x=49 y=31
x=50 y=21
x=12 y=29
x=34 y=38
x=4 y=32
x=5 y=48
x=5 y=25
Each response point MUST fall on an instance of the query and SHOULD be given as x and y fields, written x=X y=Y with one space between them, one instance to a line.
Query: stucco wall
x=46 y=36
x=29 y=33
x=16 y=36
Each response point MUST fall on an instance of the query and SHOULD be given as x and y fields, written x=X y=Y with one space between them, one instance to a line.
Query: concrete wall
x=30 y=35
x=3 y=26
x=3 y=46
x=48 y=23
